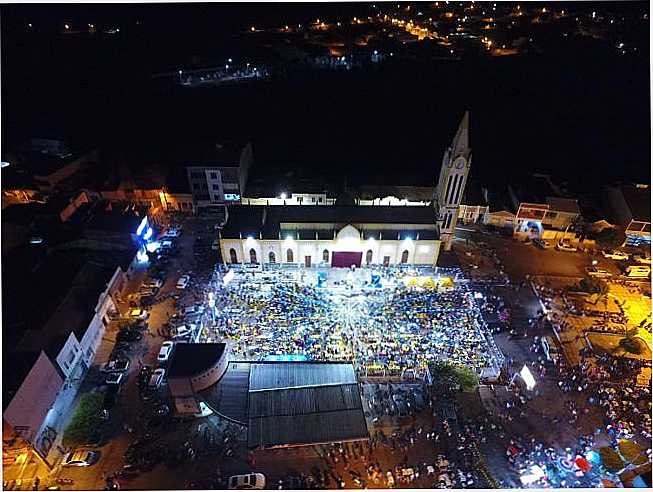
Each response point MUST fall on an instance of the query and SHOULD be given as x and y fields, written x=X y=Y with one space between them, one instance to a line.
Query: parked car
x=156 y=379
x=173 y=232
x=116 y=365
x=183 y=331
x=183 y=282
x=615 y=255
x=638 y=271
x=598 y=272
x=644 y=260
x=139 y=314
x=82 y=457
x=153 y=283
x=128 y=336
x=542 y=243
x=566 y=247
x=164 y=351
x=251 y=481
x=115 y=378
x=194 y=309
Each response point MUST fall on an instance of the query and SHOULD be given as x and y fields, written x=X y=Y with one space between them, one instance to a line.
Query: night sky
x=579 y=112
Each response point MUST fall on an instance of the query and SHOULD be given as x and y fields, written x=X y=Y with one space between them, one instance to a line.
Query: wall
x=420 y=252
x=97 y=328
x=69 y=355
x=32 y=401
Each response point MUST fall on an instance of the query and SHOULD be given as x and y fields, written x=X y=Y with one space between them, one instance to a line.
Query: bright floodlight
x=528 y=378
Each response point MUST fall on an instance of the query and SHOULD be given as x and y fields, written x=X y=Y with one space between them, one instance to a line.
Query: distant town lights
x=66 y=26
x=229 y=60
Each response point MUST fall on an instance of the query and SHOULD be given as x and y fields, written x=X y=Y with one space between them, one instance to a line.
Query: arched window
x=368 y=257
x=325 y=256
x=404 y=256
x=272 y=257
x=252 y=256
x=289 y=256
x=233 y=256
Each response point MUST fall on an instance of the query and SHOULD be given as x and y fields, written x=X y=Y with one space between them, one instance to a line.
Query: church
x=342 y=235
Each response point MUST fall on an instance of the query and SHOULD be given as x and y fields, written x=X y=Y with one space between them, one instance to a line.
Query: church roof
x=460 y=144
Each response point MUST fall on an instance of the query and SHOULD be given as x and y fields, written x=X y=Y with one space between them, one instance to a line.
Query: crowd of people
x=386 y=331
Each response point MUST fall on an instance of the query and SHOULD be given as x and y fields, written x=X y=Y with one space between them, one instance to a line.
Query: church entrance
x=345 y=259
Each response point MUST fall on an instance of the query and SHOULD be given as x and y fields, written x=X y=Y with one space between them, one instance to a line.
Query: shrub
x=85 y=425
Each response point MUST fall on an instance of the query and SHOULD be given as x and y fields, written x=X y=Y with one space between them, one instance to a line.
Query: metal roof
x=274 y=375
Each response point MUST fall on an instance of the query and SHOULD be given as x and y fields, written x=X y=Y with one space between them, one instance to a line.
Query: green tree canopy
x=454 y=375
x=85 y=425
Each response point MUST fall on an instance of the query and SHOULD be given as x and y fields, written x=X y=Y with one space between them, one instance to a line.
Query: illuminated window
x=233 y=256
x=368 y=257
x=252 y=255
x=404 y=256
x=289 y=256
x=325 y=255
x=272 y=257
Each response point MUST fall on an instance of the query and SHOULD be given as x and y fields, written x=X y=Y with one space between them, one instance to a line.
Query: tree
x=85 y=425
x=610 y=238
x=453 y=375
x=594 y=286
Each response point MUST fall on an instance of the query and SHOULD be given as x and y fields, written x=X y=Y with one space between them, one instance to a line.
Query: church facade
x=345 y=235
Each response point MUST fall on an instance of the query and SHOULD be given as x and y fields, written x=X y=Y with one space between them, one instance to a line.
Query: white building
x=218 y=173
x=338 y=236
x=456 y=164
x=62 y=351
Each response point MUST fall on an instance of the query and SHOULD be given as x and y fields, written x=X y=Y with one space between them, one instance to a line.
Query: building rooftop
x=269 y=222
x=638 y=199
x=568 y=205
x=104 y=216
x=74 y=314
x=291 y=403
x=189 y=359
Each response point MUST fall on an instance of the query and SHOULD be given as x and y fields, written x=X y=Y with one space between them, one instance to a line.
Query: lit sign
x=231 y=197
x=141 y=226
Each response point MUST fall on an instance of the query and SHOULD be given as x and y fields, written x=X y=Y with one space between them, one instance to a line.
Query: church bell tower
x=456 y=163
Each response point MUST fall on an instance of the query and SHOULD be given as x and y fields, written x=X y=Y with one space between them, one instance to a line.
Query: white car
x=598 y=272
x=183 y=330
x=82 y=457
x=193 y=310
x=139 y=314
x=183 y=282
x=156 y=378
x=164 y=351
x=615 y=255
x=565 y=247
x=173 y=232
x=154 y=283
x=251 y=481
x=644 y=260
